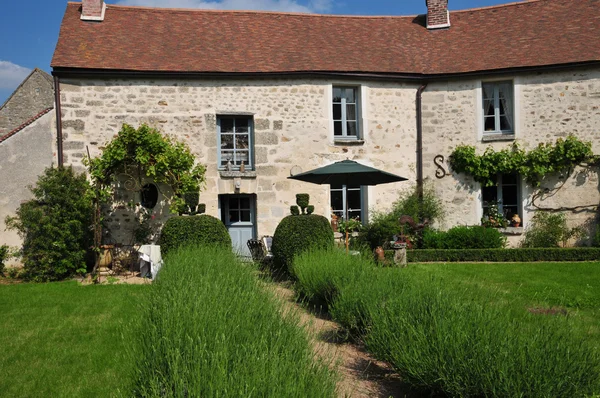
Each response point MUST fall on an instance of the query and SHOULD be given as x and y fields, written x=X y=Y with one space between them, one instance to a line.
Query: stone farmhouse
x=286 y=92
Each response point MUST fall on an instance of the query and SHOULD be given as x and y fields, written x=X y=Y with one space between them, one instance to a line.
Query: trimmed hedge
x=521 y=255
x=463 y=237
x=193 y=230
x=296 y=234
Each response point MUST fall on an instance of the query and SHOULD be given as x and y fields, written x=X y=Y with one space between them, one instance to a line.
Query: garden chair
x=260 y=250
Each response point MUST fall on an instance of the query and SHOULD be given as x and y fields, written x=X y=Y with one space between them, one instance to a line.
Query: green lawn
x=574 y=287
x=64 y=339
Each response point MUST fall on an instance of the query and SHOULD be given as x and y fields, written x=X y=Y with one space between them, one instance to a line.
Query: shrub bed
x=502 y=255
x=193 y=230
x=209 y=330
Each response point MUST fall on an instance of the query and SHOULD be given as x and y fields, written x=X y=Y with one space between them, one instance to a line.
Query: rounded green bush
x=295 y=234
x=193 y=230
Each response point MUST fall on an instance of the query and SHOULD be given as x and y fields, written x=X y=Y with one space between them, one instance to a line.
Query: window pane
x=337 y=202
x=226 y=125
x=227 y=141
x=490 y=123
x=351 y=129
x=509 y=195
x=337 y=128
x=234 y=203
x=354 y=214
x=337 y=111
x=488 y=107
x=489 y=195
x=509 y=179
x=225 y=157
x=234 y=216
x=241 y=156
x=350 y=112
x=245 y=215
x=510 y=211
x=241 y=125
x=504 y=123
x=241 y=141
x=245 y=203
x=337 y=94
x=349 y=95
x=354 y=202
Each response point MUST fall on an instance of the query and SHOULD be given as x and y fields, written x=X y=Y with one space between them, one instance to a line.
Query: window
x=498 y=109
x=349 y=201
x=345 y=113
x=235 y=142
x=505 y=194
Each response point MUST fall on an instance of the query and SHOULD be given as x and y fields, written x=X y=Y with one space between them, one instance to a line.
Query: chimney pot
x=93 y=10
x=437 y=14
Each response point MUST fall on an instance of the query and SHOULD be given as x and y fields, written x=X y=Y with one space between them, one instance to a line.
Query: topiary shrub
x=55 y=226
x=296 y=234
x=193 y=230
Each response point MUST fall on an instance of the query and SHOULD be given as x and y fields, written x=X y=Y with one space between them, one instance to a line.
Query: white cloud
x=11 y=75
x=268 y=5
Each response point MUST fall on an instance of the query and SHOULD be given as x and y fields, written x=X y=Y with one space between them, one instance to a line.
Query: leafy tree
x=55 y=225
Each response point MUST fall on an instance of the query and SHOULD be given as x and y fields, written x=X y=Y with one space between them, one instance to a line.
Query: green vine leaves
x=156 y=156
x=533 y=166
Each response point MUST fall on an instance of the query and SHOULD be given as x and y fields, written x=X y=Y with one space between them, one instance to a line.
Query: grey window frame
x=496 y=98
x=499 y=194
x=344 y=120
x=250 y=165
x=364 y=206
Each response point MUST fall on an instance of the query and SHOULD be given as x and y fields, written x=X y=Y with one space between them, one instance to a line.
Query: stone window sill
x=237 y=174
x=345 y=142
x=498 y=137
x=511 y=230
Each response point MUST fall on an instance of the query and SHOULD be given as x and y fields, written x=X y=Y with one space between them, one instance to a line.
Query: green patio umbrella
x=347 y=172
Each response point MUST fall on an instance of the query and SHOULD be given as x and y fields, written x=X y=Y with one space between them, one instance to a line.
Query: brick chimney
x=92 y=10
x=437 y=14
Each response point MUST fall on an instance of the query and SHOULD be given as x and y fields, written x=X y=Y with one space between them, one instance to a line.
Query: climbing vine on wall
x=533 y=166
x=145 y=152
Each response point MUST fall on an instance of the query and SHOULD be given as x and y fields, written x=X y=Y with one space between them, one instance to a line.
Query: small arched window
x=149 y=196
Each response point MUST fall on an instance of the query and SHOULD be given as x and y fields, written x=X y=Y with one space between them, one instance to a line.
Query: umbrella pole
x=347 y=242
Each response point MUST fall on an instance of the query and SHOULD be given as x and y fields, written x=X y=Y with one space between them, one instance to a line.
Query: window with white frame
x=498 y=108
x=345 y=112
x=349 y=201
x=506 y=195
x=235 y=141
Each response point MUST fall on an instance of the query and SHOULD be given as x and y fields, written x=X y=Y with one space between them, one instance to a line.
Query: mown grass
x=64 y=339
x=211 y=330
x=445 y=329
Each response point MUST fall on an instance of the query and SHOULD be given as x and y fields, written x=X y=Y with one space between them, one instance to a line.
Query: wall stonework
x=548 y=106
x=292 y=128
x=34 y=95
x=24 y=157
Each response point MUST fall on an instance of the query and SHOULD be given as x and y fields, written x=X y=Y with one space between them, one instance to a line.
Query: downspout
x=420 y=146
x=59 y=136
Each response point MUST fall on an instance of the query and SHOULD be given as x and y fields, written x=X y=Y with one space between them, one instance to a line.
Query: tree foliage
x=55 y=225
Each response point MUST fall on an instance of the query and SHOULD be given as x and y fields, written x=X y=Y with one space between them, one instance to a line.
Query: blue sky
x=29 y=29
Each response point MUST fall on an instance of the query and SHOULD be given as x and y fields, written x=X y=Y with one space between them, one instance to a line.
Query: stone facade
x=24 y=157
x=294 y=131
x=34 y=95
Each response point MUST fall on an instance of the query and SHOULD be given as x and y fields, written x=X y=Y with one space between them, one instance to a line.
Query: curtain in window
x=505 y=92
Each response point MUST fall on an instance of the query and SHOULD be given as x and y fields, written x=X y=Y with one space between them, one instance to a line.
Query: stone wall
x=34 y=95
x=548 y=106
x=292 y=130
x=24 y=157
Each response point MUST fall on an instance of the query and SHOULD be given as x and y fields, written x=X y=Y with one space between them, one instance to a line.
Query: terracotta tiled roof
x=526 y=34
x=21 y=127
